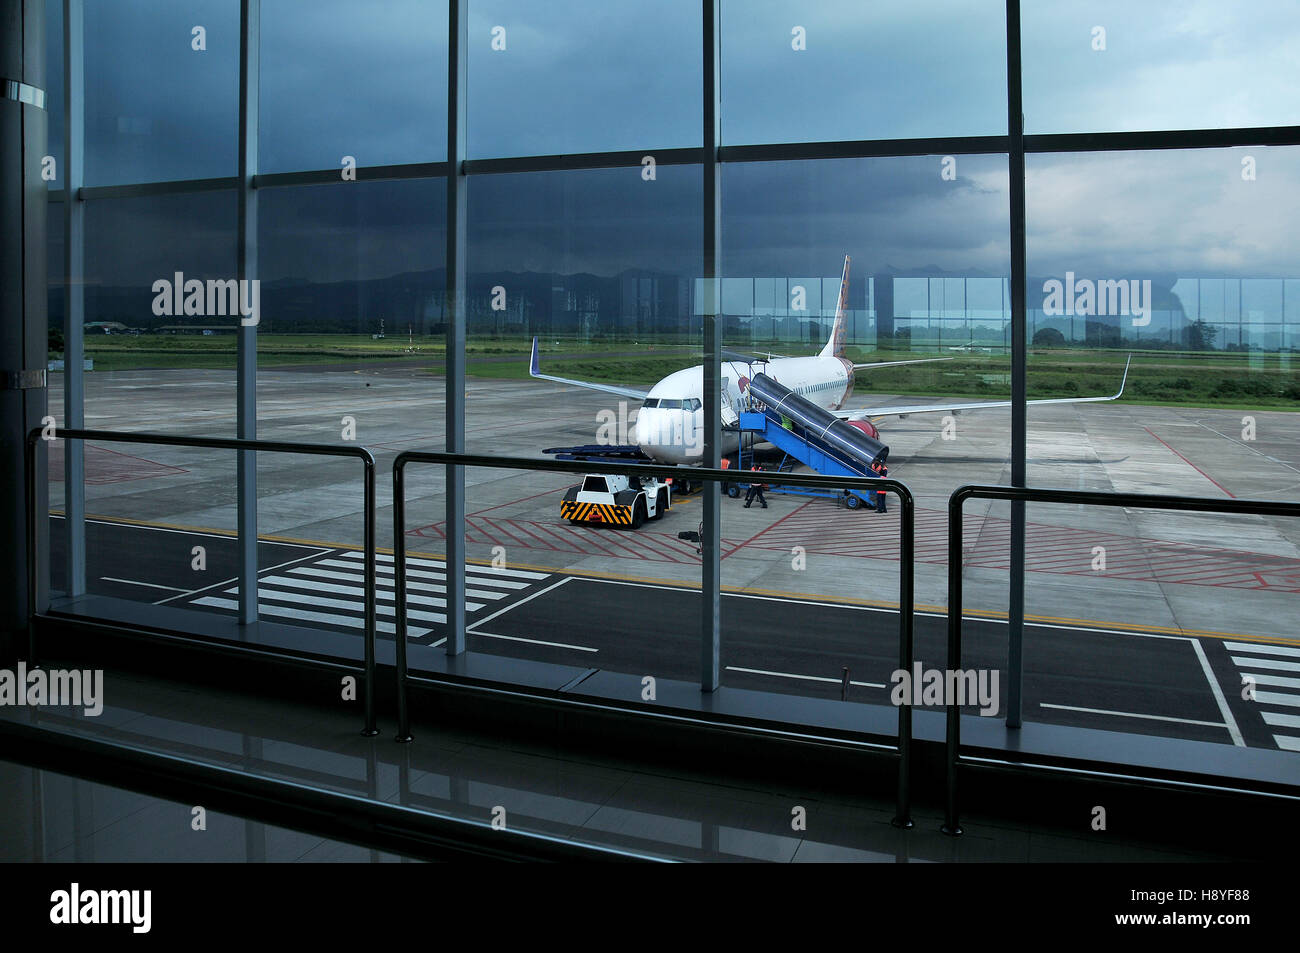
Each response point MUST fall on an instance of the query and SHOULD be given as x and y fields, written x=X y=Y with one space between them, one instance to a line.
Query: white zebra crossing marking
x=1259 y=647
x=1242 y=662
x=1277 y=681
x=351 y=622
x=301 y=592
x=1255 y=655
x=386 y=573
x=438 y=563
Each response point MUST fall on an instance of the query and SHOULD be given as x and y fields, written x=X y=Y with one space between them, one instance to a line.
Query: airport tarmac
x=1199 y=577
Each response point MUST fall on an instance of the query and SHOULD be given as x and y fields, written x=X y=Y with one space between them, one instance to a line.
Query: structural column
x=710 y=550
x=250 y=18
x=457 y=82
x=23 y=319
x=74 y=308
x=1016 y=167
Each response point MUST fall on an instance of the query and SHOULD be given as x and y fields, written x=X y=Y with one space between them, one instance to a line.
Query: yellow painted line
x=973 y=614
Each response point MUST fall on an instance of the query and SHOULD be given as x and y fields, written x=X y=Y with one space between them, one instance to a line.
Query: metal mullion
x=1159 y=140
x=1019 y=408
x=74 y=312
x=374 y=173
x=172 y=187
x=246 y=268
x=710 y=542
x=581 y=160
x=456 y=241
x=864 y=148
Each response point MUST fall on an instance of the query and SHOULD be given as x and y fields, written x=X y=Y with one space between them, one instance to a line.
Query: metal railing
x=34 y=439
x=905 y=583
x=1037 y=495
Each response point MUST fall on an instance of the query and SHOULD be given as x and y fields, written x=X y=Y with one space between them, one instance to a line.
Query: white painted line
x=1133 y=714
x=266 y=593
x=514 y=605
x=1273 y=663
x=1277 y=681
x=515 y=638
x=350 y=622
x=217 y=585
x=386 y=573
x=438 y=563
x=187 y=532
x=1229 y=721
x=151 y=585
x=1273 y=698
x=1287 y=742
x=381 y=595
x=353 y=577
x=806 y=678
x=841 y=605
x=1278 y=720
x=1265 y=649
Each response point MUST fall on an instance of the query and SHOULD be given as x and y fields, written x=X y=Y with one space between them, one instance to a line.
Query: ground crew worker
x=882 y=471
x=756 y=488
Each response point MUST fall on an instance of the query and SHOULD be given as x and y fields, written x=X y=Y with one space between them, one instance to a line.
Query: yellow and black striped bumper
x=597 y=513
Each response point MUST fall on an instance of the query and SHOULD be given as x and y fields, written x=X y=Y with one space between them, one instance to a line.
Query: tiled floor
x=52 y=817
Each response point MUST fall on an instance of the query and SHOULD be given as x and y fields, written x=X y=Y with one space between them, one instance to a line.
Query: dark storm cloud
x=368 y=80
x=155 y=108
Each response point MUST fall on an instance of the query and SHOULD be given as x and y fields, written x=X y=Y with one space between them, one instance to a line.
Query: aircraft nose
x=662 y=435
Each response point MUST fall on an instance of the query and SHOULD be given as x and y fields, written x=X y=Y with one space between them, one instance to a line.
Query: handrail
x=338 y=815
x=34 y=438
x=959 y=496
x=906 y=594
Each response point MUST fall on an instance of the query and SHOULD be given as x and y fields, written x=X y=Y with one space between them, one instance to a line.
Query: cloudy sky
x=367 y=80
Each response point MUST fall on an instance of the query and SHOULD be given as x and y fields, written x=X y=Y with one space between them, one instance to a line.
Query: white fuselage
x=670 y=424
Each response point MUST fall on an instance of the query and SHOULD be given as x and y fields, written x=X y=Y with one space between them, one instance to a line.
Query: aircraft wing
x=535 y=370
x=937 y=408
x=924 y=360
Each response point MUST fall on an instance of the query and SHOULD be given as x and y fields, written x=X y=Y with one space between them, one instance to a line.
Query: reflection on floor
x=619 y=803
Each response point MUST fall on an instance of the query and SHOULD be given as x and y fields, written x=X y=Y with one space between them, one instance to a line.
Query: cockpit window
x=670 y=403
x=651 y=402
x=693 y=403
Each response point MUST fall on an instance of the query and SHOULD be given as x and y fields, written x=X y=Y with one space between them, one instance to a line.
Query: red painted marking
x=522 y=499
x=819 y=527
x=105 y=466
x=762 y=532
x=1193 y=466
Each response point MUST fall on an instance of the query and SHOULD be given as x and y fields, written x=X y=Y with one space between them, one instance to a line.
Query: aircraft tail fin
x=835 y=344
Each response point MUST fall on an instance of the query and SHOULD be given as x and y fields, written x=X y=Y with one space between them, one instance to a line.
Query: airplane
x=669 y=425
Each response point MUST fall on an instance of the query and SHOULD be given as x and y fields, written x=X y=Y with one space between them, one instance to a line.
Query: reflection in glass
x=340 y=79
x=162 y=100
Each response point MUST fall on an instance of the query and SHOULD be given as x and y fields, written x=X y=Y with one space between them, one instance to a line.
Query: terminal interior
x=322 y=326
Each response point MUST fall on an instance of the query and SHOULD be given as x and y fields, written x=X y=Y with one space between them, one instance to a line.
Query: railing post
x=951 y=824
x=33 y=536
x=371 y=728
x=906 y=651
x=399 y=594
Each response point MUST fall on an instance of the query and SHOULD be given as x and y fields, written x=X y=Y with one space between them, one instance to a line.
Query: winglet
x=534 y=365
x=1124 y=379
x=835 y=343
